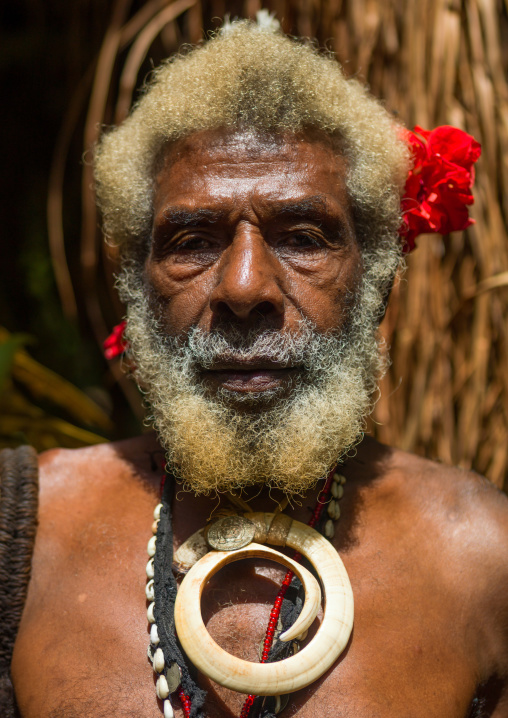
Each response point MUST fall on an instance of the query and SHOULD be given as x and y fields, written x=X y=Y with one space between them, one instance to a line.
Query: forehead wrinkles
x=198 y=184
x=247 y=175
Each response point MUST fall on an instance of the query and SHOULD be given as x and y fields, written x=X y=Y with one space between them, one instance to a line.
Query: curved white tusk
x=296 y=671
x=188 y=609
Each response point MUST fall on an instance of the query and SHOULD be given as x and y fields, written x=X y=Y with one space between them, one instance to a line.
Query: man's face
x=252 y=322
x=252 y=233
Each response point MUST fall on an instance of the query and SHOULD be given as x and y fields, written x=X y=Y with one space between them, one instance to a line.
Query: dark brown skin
x=274 y=240
x=425 y=546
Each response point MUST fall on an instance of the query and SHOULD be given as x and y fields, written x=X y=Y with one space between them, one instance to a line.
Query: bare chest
x=83 y=647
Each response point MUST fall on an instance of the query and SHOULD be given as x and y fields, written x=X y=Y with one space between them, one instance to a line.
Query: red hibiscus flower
x=115 y=344
x=438 y=187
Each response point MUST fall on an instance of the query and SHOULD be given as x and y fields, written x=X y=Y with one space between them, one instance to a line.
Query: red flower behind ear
x=438 y=187
x=116 y=343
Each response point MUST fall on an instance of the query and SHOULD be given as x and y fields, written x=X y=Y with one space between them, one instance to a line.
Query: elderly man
x=255 y=195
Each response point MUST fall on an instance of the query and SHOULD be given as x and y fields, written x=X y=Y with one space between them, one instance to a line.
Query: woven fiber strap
x=18 y=525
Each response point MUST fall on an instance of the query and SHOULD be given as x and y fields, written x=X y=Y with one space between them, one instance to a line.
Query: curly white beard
x=213 y=443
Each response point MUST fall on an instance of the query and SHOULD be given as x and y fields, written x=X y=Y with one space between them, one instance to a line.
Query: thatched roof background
x=432 y=62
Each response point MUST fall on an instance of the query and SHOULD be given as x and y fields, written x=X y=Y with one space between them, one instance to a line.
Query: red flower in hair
x=115 y=344
x=438 y=187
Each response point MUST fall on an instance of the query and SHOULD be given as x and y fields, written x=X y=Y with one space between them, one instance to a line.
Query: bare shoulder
x=64 y=473
x=458 y=520
x=448 y=494
x=461 y=515
x=459 y=499
x=92 y=501
x=462 y=507
x=89 y=488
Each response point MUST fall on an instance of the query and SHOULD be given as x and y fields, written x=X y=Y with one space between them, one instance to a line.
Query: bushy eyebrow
x=178 y=217
x=312 y=208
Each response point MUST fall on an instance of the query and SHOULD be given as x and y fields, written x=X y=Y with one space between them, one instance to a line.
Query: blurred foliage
x=46 y=48
x=26 y=387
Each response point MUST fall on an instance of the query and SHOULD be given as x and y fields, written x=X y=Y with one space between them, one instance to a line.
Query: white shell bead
x=157 y=512
x=158 y=661
x=168 y=710
x=162 y=687
x=333 y=510
x=149 y=590
x=339 y=479
x=154 y=526
x=154 y=635
x=151 y=546
x=149 y=613
x=337 y=490
x=150 y=569
x=329 y=529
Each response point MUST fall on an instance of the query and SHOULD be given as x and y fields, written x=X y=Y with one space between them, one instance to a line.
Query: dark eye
x=195 y=248
x=193 y=244
x=302 y=240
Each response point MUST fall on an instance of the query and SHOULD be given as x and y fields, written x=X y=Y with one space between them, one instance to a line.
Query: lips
x=252 y=375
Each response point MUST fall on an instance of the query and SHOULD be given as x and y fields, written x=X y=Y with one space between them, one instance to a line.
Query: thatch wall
x=433 y=62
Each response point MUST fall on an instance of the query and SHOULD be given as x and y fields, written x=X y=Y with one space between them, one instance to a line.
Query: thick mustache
x=262 y=351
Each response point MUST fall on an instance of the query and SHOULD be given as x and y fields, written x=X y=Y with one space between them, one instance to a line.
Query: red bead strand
x=185 y=701
x=247 y=706
x=275 y=612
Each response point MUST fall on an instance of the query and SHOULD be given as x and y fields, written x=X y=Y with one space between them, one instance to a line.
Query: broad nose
x=250 y=280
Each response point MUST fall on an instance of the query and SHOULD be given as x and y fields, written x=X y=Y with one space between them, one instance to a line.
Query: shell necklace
x=230 y=538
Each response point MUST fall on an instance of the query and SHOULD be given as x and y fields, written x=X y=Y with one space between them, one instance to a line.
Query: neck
x=255 y=498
